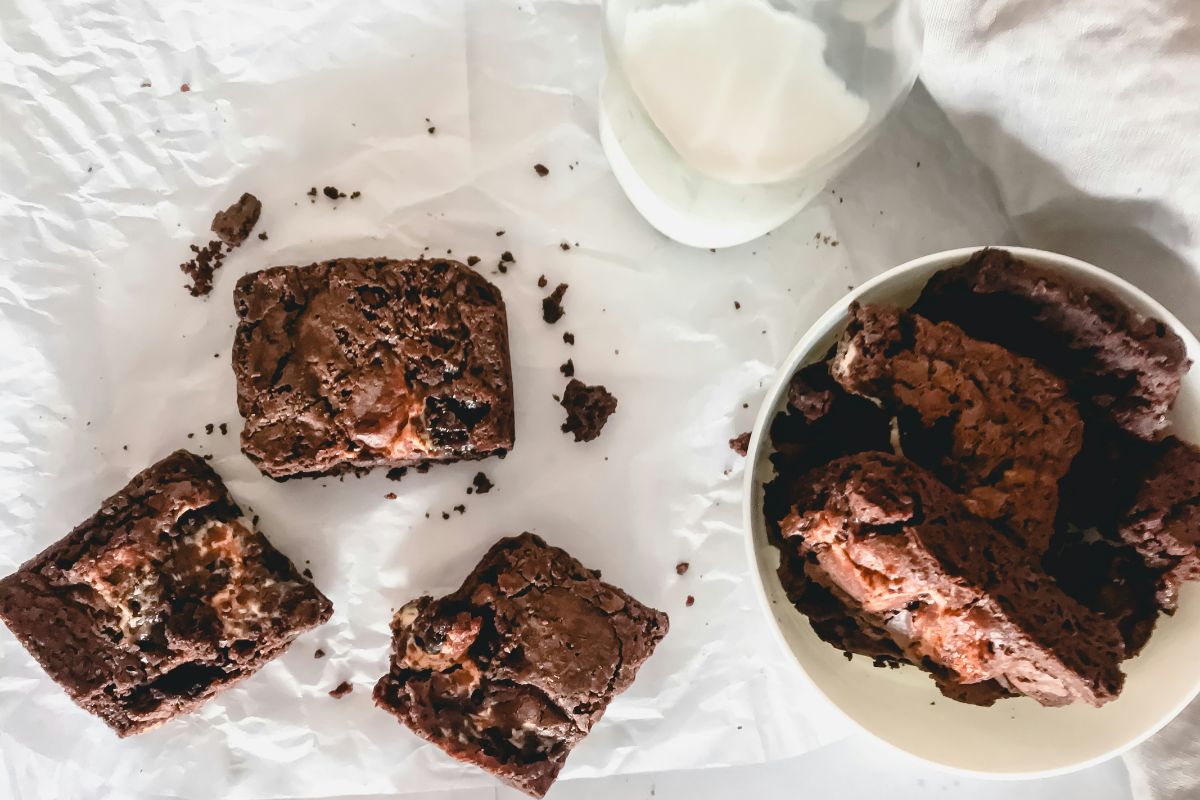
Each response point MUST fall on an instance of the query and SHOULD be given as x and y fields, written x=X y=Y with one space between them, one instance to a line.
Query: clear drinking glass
x=723 y=118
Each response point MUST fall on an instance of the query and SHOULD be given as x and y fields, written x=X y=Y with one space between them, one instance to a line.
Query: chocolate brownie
x=956 y=594
x=994 y=426
x=512 y=670
x=588 y=409
x=234 y=224
x=1125 y=366
x=358 y=363
x=159 y=601
x=1163 y=521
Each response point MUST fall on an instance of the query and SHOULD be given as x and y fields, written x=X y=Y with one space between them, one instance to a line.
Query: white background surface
x=94 y=328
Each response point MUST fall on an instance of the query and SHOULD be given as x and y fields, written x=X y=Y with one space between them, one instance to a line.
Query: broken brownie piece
x=159 y=601
x=512 y=670
x=588 y=409
x=1163 y=521
x=1126 y=366
x=552 y=309
x=358 y=363
x=995 y=426
x=234 y=224
x=957 y=595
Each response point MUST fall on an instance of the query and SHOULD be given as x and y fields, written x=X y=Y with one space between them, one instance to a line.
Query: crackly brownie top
x=511 y=670
x=164 y=590
x=1126 y=366
x=992 y=425
x=364 y=362
x=949 y=587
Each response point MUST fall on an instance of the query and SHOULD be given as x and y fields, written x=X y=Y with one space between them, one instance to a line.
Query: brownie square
x=358 y=363
x=160 y=600
x=513 y=669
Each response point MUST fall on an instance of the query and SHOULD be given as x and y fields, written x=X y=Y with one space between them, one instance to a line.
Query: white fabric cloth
x=1087 y=114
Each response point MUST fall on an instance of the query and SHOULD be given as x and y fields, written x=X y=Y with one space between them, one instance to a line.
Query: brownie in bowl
x=161 y=600
x=513 y=669
x=357 y=363
x=1028 y=517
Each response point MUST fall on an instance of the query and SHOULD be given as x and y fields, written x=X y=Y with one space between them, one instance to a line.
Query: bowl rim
x=799 y=355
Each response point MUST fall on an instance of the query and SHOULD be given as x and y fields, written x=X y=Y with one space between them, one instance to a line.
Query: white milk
x=721 y=116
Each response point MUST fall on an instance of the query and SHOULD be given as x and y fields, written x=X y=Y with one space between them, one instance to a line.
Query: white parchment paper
x=107 y=364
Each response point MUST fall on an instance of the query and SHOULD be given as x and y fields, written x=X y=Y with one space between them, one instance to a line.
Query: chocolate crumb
x=263 y=236
x=208 y=457
x=445 y=515
x=206 y=261
x=568 y=337
x=460 y=508
x=564 y=245
x=191 y=435
x=312 y=192
x=541 y=169
x=432 y=130
x=319 y=653
x=542 y=282
x=568 y=369
x=233 y=225
x=355 y=195
x=481 y=483
x=552 y=310
x=332 y=193
x=254 y=520
x=224 y=427
x=503 y=268
x=341 y=690
x=209 y=428
x=185 y=87
x=681 y=568
x=390 y=496
x=506 y=257
x=473 y=260
x=737 y=306
x=588 y=409
x=499 y=233
x=423 y=468
x=691 y=601
x=740 y=444
x=146 y=84
x=396 y=473
x=306 y=572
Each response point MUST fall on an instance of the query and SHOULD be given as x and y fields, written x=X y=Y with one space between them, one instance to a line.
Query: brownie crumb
x=396 y=473
x=552 y=310
x=472 y=260
x=568 y=337
x=691 y=601
x=191 y=435
x=390 y=496
x=341 y=690
x=737 y=306
x=499 y=233
x=503 y=268
x=263 y=236
x=185 y=87
x=146 y=84
x=568 y=369
x=206 y=261
x=740 y=444
x=481 y=484
x=306 y=572
x=233 y=225
x=319 y=653
x=312 y=192
x=355 y=195
x=445 y=515
x=506 y=257
x=541 y=169
x=432 y=130
x=588 y=409
x=460 y=508
x=332 y=192
x=542 y=282
x=209 y=428
x=681 y=568
x=254 y=521
x=564 y=245
x=224 y=428
x=423 y=468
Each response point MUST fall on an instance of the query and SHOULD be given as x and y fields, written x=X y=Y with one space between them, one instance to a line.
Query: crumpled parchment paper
x=107 y=364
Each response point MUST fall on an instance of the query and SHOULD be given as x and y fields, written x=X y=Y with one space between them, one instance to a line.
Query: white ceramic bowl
x=1014 y=738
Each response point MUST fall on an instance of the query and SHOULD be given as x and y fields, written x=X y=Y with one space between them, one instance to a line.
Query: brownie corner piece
x=357 y=363
x=160 y=600
x=514 y=668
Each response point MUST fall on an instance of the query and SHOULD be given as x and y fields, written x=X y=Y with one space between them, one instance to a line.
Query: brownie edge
x=513 y=669
x=163 y=598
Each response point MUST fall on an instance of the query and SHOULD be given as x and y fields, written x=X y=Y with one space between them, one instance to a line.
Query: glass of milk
x=723 y=118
